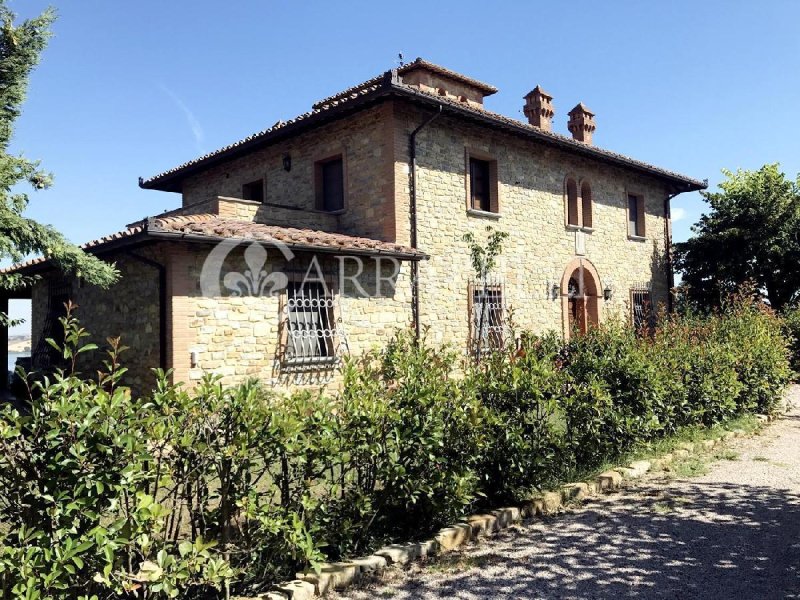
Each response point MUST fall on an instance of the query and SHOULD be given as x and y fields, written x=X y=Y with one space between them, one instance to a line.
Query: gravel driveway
x=733 y=533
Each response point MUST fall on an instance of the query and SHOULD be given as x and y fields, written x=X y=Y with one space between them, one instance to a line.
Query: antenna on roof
x=400 y=59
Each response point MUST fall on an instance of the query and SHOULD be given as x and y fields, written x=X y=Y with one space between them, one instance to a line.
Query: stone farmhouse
x=318 y=237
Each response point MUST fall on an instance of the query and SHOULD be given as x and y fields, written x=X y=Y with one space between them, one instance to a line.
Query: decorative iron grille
x=488 y=316
x=313 y=334
x=642 y=312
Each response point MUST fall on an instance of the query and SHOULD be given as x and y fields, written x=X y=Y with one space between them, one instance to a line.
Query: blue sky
x=130 y=89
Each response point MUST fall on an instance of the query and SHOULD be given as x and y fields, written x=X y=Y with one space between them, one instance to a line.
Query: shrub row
x=195 y=494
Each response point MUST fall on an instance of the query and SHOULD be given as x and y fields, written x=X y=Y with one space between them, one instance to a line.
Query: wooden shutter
x=572 y=203
x=640 y=230
x=586 y=204
x=633 y=214
x=479 y=185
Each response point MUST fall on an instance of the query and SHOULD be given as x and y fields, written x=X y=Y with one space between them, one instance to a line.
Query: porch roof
x=210 y=228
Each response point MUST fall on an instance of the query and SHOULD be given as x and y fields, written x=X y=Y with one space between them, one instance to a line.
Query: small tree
x=751 y=234
x=20 y=49
x=484 y=260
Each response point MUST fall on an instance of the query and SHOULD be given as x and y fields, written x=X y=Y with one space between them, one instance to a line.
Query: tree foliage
x=752 y=233
x=21 y=46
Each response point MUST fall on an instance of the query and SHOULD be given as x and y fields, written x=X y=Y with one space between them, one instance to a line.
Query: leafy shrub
x=761 y=352
x=791 y=323
x=231 y=488
x=518 y=390
x=615 y=396
x=420 y=461
x=76 y=517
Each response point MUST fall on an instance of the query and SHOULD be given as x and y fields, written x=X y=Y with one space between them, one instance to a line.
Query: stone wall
x=531 y=180
x=239 y=337
x=365 y=143
x=129 y=310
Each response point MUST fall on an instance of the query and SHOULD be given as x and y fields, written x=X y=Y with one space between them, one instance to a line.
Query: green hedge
x=791 y=318
x=185 y=494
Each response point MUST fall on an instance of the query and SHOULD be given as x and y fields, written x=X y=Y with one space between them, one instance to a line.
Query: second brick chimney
x=539 y=108
x=581 y=123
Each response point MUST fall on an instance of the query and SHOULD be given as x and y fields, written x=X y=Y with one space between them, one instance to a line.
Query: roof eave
x=172 y=182
x=686 y=184
x=299 y=247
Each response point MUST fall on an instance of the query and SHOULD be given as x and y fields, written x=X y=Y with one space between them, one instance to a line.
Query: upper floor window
x=573 y=216
x=636 y=216
x=482 y=184
x=253 y=191
x=479 y=185
x=578 y=203
x=330 y=184
x=586 y=204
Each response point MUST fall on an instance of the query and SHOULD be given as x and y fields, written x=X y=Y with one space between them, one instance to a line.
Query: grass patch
x=726 y=454
x=663 y=508
x=760 y=459
x=655 y=448
x=691 y=467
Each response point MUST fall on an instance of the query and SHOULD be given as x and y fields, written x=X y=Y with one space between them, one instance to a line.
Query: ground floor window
x=310 y=324
x=642 y=313
x=487 y=317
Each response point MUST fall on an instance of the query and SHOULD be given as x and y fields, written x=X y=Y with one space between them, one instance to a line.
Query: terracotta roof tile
x=215 y=229
x=388 y=83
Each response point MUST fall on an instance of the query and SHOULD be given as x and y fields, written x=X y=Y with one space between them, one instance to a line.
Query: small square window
x=636 y=216
x=330 y=184
x=253 y=191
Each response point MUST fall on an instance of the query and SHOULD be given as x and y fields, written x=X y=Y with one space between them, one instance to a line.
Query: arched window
x=586 y=204
x=572 y=203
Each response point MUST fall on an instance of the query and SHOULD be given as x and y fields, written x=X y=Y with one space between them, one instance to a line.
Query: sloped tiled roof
x=418 y=63
x=389 y=84
x=211 y=228
x=215 y=228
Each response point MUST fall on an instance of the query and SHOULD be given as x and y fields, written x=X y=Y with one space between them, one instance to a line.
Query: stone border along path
x=710 y=537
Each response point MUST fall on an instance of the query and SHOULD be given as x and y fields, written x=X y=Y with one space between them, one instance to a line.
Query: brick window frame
x=494 y=191
x=635 y=215
x=319 y=188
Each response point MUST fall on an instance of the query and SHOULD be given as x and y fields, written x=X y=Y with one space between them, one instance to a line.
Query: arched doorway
x=580 y=299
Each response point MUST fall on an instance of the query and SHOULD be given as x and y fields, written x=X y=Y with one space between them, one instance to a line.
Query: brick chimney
x=581 y=123
x=539 y=108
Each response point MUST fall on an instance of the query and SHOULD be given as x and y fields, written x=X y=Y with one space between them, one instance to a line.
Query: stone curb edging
x=339 y=575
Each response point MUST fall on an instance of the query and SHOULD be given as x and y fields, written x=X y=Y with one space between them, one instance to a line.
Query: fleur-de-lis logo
x=255 y=281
